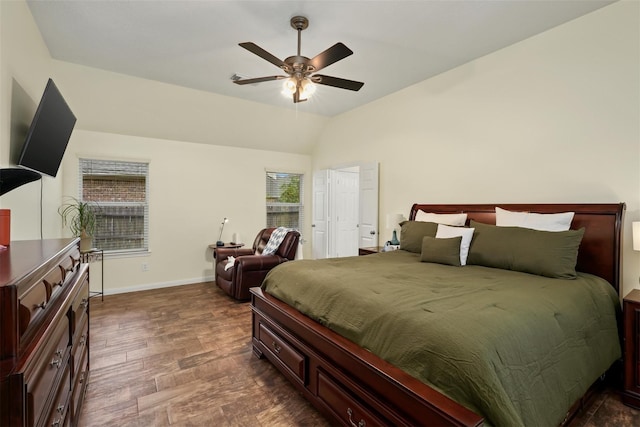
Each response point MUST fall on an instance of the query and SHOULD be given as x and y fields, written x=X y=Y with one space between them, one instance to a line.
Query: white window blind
x=120 y=190
x=285 y=197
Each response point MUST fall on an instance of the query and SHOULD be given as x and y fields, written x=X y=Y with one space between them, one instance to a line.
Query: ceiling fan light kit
x=300 y=82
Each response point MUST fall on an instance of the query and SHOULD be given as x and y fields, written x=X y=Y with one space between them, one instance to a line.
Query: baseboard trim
x=149 y=286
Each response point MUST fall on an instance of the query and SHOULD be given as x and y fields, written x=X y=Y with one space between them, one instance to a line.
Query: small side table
x=92 y=255
x=226 y=245
x=631 y=350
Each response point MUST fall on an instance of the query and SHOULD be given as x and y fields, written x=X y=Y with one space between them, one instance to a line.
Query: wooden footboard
x=342 y=380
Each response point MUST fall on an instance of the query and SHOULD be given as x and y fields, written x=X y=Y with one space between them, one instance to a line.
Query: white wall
x=192 y=187
x=554 y=118
x=25 y=61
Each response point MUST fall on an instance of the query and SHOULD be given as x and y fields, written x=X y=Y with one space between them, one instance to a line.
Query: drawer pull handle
x=56 y=423
x=361 y=423
x=277 y=348
x=42 y=305
x=57 y=360
x=84 y=303
x=60 y=409
x=83 y=339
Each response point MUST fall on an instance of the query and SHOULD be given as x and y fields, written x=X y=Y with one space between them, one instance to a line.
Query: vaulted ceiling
x=195 y=43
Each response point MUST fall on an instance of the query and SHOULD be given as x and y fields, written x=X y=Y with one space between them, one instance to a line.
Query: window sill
x=126 y=254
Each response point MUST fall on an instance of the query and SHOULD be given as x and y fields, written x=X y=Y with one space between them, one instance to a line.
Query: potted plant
x=81 y=218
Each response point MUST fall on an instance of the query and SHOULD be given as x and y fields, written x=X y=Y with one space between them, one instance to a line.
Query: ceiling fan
x=300 y=69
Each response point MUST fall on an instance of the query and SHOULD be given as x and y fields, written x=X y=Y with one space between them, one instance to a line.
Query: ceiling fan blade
x=334 y=54
x=337 y=82
x=254 y=48
x=258 y=80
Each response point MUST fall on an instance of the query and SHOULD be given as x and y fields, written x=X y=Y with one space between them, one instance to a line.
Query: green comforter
x=518 y=349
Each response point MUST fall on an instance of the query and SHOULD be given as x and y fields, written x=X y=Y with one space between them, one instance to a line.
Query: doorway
x=345 y=210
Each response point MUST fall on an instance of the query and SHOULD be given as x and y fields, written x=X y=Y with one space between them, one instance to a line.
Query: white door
x=320 y=217
x=368 y=205
x=345 y=212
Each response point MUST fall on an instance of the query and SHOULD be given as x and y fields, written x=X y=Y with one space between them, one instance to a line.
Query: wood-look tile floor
x=182 y=357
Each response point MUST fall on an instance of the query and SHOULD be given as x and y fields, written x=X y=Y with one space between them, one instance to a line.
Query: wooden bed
x=357 y=388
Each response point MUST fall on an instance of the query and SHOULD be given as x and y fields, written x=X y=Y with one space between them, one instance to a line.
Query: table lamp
x=397 y=219
x=220 y=242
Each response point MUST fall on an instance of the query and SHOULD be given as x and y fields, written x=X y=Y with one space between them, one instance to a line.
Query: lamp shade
x=397 y=219
x=636 y=235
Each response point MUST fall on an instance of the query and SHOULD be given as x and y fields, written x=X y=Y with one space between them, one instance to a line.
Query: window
x=120 y=190
x=284 y=200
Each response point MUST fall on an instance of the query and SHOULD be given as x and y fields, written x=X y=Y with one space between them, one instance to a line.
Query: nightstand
x=631 y=315
x=370 y=250
x=226 y=245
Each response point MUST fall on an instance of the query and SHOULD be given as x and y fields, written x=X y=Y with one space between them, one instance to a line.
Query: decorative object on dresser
x=80 y=216
x=5 y=227
x=44 y=345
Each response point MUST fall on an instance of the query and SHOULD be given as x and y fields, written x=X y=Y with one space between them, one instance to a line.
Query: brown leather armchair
x=251 y=267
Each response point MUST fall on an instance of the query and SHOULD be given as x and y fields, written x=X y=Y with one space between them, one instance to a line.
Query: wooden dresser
x=44 y=333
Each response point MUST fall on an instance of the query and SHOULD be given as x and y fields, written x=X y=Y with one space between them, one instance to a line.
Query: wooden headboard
x=599 y=252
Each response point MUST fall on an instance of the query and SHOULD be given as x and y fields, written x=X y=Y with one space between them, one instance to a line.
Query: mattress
x=516 y=348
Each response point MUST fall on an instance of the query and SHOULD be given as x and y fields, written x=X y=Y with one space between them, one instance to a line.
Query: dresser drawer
x=80 y=379
x=80 y=345
x=32 y=305
x=344 y=405
x=68 y=264
x=291 y=358
x=47 y=369
x=60 y=409
x=54 y=280
x=80 y=305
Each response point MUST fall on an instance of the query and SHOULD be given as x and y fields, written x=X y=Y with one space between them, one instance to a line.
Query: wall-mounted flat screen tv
x=48 y=134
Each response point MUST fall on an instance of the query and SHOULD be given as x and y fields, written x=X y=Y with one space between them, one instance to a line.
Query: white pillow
x=445 y=231
x=534 y=221
x=448 y=219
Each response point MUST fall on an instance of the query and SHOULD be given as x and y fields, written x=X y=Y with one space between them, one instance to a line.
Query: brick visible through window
x=119 y=189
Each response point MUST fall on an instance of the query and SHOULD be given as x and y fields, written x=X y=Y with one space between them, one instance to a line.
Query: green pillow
x=412 y=232
x=545 y=253
x=441 y=251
